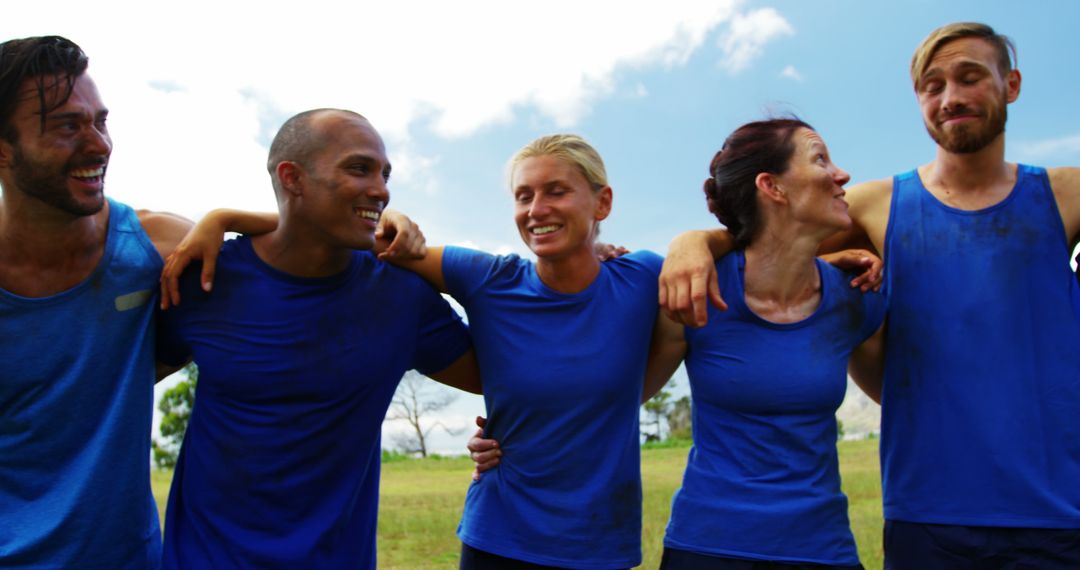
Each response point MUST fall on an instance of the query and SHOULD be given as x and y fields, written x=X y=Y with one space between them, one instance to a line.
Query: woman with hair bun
x=762 y=482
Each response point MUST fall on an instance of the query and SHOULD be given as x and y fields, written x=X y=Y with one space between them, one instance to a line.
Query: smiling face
x=344 y=180
x=814 y=185
x=63 y=165
x=555 y=207
x=963 y=95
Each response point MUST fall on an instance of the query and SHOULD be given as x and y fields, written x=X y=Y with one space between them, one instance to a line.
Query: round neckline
x=740 y=275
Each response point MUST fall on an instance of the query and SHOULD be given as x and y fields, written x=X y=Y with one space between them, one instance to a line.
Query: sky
x=197 y=89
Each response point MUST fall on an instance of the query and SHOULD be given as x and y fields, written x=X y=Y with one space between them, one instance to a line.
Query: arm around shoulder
x=868 y=206
x=429 y=267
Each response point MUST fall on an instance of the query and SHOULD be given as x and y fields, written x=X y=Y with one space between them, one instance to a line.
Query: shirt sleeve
x=465 y=271
x=442 y=337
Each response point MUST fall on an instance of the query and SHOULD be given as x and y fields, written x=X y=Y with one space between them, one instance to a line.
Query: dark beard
x=48 y=183
x=970 y=139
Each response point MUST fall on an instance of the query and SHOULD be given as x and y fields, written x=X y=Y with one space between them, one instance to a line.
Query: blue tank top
x=75 y=411
x=981 y=402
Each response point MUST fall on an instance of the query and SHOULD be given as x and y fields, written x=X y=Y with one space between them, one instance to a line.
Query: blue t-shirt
x=280 y=462
x=76 y=395
x=563 y=377
x=762 y=480
x=980 y=420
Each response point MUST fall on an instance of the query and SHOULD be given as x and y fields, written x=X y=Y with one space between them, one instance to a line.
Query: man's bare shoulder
x=868 y=205
x=1065 y=178
x=870 y=193
x=165 y=229
x=1065 y=183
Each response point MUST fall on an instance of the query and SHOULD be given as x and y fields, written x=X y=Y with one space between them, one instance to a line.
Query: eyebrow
x=358 y=157
x=74 y=115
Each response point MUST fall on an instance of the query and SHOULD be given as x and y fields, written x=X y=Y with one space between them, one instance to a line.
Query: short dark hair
x=294 y=141
x=36 y=58
x=731 y=189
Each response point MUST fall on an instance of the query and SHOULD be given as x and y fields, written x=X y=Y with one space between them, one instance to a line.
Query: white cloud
x=748 y=34
x=640 y=90
x=1047 y=149
x=790 y=72
x=197 y=89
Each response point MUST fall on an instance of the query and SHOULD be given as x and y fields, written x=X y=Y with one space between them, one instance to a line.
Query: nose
x=841 y=176
x=380 y=192
x=952 y=100
x=96 y=141
x=539 y=207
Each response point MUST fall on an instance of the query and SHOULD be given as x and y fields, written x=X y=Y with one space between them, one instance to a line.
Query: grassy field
x=421 y=503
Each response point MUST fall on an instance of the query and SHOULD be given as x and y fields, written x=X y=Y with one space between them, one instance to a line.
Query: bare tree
x=416 y=399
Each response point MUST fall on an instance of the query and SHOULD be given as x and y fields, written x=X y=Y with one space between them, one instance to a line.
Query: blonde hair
x=1002 y=44
x=570 y=148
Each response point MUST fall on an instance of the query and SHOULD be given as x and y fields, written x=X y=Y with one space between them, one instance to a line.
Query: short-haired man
x=300 y=348
x=980 y=442
x=78 y=274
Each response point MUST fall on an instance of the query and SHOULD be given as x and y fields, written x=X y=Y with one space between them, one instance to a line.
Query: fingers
x=170 y=283
x=208 y=267
x=713 y=281
x=485 y=453
x=407 y=239
x=872 y=265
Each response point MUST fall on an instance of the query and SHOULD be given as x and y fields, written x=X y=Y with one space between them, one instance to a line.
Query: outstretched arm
x=429 y=267
x=203 y=242
x=666 y=352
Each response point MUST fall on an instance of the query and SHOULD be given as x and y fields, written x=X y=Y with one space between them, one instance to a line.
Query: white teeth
x=88 y=172
x=369 y=214
x=544 y=230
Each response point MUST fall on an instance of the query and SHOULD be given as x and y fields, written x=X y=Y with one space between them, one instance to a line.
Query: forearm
x=239 y=221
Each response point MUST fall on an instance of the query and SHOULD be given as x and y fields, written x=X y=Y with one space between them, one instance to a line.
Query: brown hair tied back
x=731 y=189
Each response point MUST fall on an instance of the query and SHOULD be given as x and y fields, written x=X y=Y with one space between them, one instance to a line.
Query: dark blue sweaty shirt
x=280 y=462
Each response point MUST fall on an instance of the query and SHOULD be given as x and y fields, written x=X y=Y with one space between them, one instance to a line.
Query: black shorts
x=473 y=559
x=675 y=559
x=917 y=546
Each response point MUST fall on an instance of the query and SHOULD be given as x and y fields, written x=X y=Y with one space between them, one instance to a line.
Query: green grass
x=421 y=501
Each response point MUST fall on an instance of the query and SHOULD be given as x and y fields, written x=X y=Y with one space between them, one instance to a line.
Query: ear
x=769 y=188
x=603 y=206
x=7 y=153
x=1012 y=86
x=290 y=174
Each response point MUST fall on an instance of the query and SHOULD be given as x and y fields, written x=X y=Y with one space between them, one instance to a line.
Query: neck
x=295 y=251
x=780 y=269
x=32 y=232
x=570 y=274
x=971 y=172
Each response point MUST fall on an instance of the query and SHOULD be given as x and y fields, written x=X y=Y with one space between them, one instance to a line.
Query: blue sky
x=196 y=90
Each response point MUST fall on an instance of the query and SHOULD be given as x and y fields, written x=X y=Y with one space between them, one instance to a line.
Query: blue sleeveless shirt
x=76 y=395
x=981 y=401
